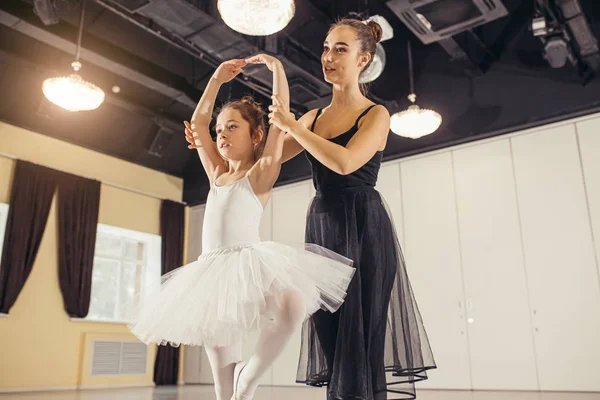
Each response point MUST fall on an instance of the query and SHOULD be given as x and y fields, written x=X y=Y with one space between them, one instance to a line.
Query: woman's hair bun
x=375 y=30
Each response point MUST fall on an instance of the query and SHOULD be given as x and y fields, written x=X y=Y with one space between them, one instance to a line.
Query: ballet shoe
x=237 y=371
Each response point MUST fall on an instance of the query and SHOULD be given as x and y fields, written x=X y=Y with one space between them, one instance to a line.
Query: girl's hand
x=280 y=115
x=229 y=70
x=269 y=61
x=191 y=136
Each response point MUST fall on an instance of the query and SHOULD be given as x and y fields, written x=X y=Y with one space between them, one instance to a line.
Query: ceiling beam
x=31 y=29
x=119 y=101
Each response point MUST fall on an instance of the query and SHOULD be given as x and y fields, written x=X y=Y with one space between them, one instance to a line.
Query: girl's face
x=342 y=59
x=234 y=139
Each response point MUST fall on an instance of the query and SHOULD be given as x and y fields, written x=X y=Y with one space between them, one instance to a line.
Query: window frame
x=151 y=263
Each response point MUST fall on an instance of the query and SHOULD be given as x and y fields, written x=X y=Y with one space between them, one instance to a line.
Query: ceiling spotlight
x=556 y=52
x=539 y=26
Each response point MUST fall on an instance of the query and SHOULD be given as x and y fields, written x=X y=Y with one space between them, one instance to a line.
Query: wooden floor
x=193 y=392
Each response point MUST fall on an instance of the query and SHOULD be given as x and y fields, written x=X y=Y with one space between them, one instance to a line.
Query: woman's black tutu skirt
x=375 y=345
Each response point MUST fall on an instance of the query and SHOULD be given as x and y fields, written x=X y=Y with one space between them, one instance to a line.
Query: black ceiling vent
x=435 y=20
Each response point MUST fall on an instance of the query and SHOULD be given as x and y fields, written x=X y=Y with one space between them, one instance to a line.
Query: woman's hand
x=229 y=70
x=280 y=115
x=191 y=138
x=269 y=61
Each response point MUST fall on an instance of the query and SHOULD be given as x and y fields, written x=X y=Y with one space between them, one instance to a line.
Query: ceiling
x=160 y=53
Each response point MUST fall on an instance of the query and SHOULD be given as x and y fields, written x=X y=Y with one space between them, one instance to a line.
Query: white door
x=433 y=259
x=290 y=204
x=266 y=225
x=500 y=330
x=589 y=145
x=559 y=258
x=266 y=228
x=388 y=185
x=196 y=368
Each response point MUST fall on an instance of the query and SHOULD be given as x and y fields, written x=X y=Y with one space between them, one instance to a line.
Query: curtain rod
x=115 y=185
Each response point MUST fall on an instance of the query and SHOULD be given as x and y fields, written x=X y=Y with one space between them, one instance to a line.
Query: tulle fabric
x=221 y=297
x=375 y=346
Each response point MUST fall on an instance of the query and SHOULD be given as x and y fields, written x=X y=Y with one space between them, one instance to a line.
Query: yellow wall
x=39 y=345
x=53 y=153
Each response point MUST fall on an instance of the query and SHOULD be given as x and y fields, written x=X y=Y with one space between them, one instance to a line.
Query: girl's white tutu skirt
x=216 y=300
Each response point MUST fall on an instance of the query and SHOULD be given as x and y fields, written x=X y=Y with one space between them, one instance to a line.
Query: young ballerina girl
x=240 y=283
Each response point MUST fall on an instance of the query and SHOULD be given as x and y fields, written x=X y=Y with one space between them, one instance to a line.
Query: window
x=3 y=220
x=125 y=262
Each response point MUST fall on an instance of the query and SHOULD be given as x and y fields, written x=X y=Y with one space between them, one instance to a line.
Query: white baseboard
x=80 y=387
x=38 y=389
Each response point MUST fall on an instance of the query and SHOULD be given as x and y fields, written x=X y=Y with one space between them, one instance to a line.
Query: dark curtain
x=172 y=220
x=30 y=200
x=78 y=205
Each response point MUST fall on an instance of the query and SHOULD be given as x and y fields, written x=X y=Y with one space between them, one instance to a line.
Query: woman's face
x=342 y=59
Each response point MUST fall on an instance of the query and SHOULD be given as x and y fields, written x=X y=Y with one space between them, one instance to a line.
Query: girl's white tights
x=286 y=314
x=222 y=362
